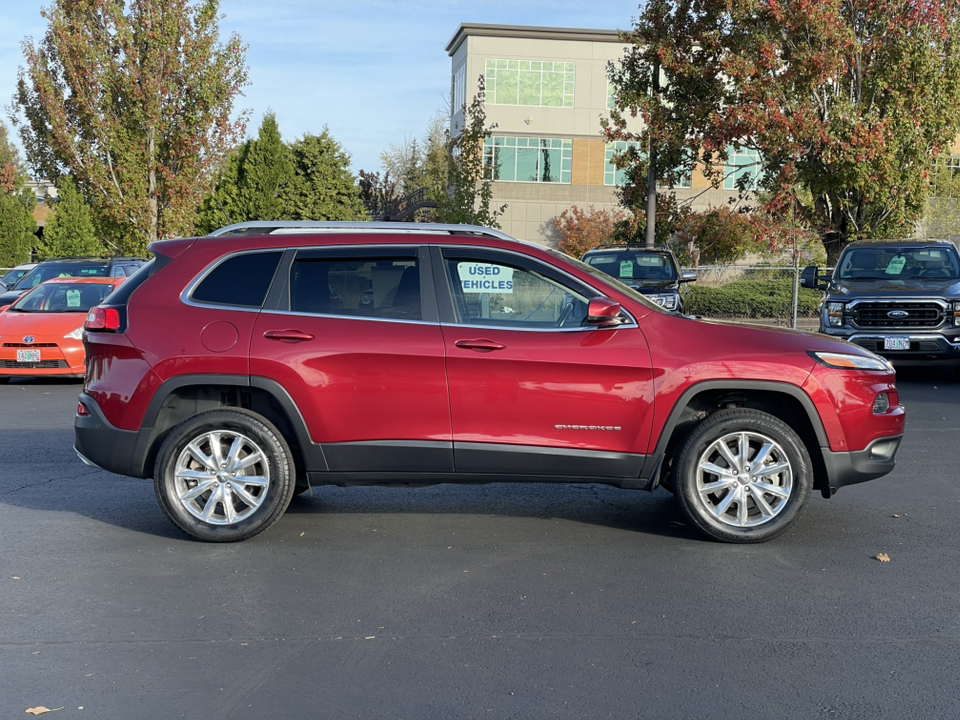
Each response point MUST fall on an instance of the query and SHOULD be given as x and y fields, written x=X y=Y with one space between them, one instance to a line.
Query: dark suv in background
x=651 y=271
x=899 y=299
x=238 y=370
x=71 y=267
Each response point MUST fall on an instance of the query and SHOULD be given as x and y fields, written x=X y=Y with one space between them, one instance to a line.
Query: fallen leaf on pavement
x=883 y=557
x=41 y=710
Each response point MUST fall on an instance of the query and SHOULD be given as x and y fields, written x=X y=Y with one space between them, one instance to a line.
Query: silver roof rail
x=284 y=227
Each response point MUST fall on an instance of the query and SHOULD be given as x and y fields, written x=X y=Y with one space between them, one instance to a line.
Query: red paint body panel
x=358 y=379
x=845 y=401
x=519 y=394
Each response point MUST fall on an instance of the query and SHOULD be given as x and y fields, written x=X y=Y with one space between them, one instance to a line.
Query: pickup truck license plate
x=896 y=343
x=28 y=356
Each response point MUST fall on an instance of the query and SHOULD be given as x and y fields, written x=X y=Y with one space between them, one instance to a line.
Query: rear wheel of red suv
x=224 y=475
x=743 y=476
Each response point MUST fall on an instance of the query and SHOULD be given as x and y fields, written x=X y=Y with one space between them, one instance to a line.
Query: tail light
x=103 y=318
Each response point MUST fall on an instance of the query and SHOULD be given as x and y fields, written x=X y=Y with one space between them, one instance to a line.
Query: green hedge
x=751 y=299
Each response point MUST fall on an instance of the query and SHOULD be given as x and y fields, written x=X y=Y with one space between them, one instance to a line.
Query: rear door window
x=383 y=285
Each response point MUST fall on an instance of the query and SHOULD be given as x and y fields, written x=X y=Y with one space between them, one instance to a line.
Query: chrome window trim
x=291 y=313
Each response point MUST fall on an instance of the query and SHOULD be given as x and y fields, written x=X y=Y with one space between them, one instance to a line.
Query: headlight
x=668 y=301
x=75 y=335
x=835 y=313
x=851 y=362
x=956 y=313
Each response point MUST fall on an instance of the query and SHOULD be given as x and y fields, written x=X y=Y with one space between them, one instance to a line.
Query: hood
x=651 y=286
x=920 y=287
x=10 y=297
x=14 y=326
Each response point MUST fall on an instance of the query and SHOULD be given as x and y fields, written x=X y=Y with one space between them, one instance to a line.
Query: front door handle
x=480 y=345
x=287 y=335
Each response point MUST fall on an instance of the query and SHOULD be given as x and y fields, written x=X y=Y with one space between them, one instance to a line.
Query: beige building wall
x=531 y=205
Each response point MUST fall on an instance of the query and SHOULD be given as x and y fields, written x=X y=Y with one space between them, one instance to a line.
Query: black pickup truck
x=900 y=299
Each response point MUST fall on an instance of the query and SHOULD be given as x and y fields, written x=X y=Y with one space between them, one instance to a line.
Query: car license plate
x=896 y=343
x=28 y=356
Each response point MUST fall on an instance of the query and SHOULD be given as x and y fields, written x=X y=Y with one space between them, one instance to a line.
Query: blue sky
x=373 y=71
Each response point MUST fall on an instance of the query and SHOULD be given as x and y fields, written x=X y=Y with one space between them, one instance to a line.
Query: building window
x=530 y=82
x=616 y=177
x=460 y=87
x=528 y=159
x=743 y=163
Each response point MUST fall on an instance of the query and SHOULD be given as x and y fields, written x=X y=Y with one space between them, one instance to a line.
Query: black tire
x=242 y=486
x=727 y=498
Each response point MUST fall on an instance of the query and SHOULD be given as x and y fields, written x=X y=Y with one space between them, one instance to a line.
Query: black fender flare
x=654 y=462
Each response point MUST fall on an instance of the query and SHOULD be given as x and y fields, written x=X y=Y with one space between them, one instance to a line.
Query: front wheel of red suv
x=224 y=475
x=742 y=476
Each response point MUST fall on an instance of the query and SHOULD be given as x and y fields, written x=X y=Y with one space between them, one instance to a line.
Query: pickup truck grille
x=919 y=314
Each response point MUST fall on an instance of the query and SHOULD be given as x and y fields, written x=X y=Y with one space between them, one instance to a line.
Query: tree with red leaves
x=846 y=103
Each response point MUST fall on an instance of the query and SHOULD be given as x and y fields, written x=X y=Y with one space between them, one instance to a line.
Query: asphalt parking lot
x=498 y=601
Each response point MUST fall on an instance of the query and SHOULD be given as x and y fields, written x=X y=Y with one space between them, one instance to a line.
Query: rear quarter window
x=241 y=280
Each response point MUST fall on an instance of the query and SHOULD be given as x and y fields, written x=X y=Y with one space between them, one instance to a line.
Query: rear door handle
x=287 y=335
x=480 y=345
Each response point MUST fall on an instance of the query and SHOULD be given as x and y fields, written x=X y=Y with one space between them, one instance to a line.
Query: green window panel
x=741 y=163
x=529 y=88
x=533 y=83
x=616 y=177
x=527 y=159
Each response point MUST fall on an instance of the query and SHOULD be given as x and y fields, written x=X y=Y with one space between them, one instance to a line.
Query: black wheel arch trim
x=312 y=452
x=654 y=461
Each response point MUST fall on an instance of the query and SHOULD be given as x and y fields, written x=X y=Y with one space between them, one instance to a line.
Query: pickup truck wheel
x=224 y=475
x=742 y=476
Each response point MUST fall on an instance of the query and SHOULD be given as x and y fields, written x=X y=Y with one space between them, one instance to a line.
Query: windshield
x=627 y=266
x=45 y=272
x=62 y=297
x=11 y=277
x=899 y=263
x=607 y=279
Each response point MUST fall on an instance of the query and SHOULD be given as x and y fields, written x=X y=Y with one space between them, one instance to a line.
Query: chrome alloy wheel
x=744 y=479
x=221 y=477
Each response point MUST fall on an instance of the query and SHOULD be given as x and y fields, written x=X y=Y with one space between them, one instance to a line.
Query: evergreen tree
x=324 y=188
x=17 y=227
x=223 y=204
x=70 y=230
x=266 y=169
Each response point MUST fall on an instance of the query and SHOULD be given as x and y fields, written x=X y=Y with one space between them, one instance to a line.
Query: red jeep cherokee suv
x=241 y=368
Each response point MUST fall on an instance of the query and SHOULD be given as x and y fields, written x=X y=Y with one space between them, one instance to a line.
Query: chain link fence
x=759 y=294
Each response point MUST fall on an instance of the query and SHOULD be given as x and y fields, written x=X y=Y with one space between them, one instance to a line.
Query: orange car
x=42 y=332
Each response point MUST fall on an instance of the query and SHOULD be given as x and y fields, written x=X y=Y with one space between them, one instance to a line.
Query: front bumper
x=924 y=347
x=849 y=468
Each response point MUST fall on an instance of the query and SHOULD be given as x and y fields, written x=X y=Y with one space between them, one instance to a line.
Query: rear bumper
x=849 y=468
x=99 y=444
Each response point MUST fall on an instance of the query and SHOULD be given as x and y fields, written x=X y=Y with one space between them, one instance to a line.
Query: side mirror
x=688 y=276
x=809 y=278
x=604 y=312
